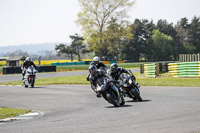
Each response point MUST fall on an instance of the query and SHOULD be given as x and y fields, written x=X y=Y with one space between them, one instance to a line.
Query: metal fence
x=189 y=57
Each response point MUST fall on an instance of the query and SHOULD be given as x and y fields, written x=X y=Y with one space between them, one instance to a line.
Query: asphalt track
x=75 y=109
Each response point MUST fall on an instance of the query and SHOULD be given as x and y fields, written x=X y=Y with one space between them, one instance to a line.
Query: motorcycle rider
x=116 y=71
x=95 y=74
x=26 y=64
x=96 y=62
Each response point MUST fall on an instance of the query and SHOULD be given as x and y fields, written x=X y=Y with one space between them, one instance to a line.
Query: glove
x=112 y=80
x=87 y=78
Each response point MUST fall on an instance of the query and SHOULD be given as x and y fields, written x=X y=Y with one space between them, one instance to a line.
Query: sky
x=49 y=21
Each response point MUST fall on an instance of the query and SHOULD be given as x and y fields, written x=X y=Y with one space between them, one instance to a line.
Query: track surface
x=75 y=109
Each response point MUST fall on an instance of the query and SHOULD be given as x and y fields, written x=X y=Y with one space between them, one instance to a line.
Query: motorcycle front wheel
x=122 y=100
x=32 y=82
x=135 y=93
x=112 y=100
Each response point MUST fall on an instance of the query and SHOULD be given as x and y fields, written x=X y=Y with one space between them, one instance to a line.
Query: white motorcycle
x=29 y=77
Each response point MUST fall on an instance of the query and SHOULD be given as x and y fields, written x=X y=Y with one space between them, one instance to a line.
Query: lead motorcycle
x=110 y=92
x=129 y=87
x=29 y=77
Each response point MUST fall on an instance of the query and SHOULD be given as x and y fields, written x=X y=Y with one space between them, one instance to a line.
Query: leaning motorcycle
x=129 y=87
x=110 y=92
x=29 y=77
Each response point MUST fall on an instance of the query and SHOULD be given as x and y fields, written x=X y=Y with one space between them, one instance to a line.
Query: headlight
x=125 y=85
x=130 y=81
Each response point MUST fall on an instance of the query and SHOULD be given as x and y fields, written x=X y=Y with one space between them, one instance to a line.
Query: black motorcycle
x=129 y=87
x=110 y=92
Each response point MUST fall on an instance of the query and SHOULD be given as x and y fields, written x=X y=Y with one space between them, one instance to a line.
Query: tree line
x=107 y=33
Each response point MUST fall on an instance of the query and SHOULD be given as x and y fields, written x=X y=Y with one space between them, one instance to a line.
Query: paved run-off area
x=75 y=108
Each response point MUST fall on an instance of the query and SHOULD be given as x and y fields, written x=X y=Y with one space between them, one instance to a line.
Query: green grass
x=10 y=112
x=85 y=67
x=129 y=65
x=72 y=67
x=1 y=69
x=163 y=80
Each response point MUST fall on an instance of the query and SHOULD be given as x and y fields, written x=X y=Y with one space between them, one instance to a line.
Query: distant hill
x=29 y=48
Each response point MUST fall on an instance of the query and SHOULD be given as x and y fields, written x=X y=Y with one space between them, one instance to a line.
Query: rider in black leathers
x=95 y=74
x=96 y=63
x=26 y=64
x=116 y=71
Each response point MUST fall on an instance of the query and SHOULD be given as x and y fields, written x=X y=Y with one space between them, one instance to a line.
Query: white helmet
x=28 y=59
x=96 y=59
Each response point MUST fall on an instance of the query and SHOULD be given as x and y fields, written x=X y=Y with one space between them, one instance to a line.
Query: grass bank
x=163 y=80
x=10 y=112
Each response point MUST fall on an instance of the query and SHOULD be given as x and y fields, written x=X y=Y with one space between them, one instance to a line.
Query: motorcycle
x=29 y=77
x=129 y=87
x=110 y=92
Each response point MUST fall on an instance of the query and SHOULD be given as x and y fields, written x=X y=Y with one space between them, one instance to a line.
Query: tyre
x=122 y=100
x=32 y=82
x=135 y=93
x=112 y=100
x=25 y=85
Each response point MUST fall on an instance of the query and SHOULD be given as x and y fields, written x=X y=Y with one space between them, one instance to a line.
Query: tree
x=182 y=29
x=73 y=48
x=162 y=46
x=94 y=18
x=77 y=44
x=116 y=34
x=194 y=34
x=167 y=28
x=63 y=49
x=17 y=53
x=135 y=47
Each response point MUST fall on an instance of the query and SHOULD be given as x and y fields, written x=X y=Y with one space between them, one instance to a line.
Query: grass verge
x=10 y=112
x=163 y=80
x=85 y=67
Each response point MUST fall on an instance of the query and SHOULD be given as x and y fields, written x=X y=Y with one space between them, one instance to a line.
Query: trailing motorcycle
x=29 y=77
x=129 y=87
x=110 y=92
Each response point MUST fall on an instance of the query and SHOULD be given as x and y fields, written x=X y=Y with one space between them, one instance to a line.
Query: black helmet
x=92 y=69
x=113 y=67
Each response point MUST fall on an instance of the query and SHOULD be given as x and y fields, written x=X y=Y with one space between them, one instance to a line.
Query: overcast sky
x=46 y=21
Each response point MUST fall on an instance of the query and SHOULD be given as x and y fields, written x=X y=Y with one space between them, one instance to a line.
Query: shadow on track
x=124 y=106
x=37 y=87
x=138 y=101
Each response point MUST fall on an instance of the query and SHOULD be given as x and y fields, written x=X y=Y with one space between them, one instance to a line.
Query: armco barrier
x=16 y=70
x=82 y=63
x=184 y=69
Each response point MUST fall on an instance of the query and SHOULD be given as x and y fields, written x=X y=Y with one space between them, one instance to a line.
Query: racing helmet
x=96 y=59
x=92 y=69
x=28 y=59
x=113 y=67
